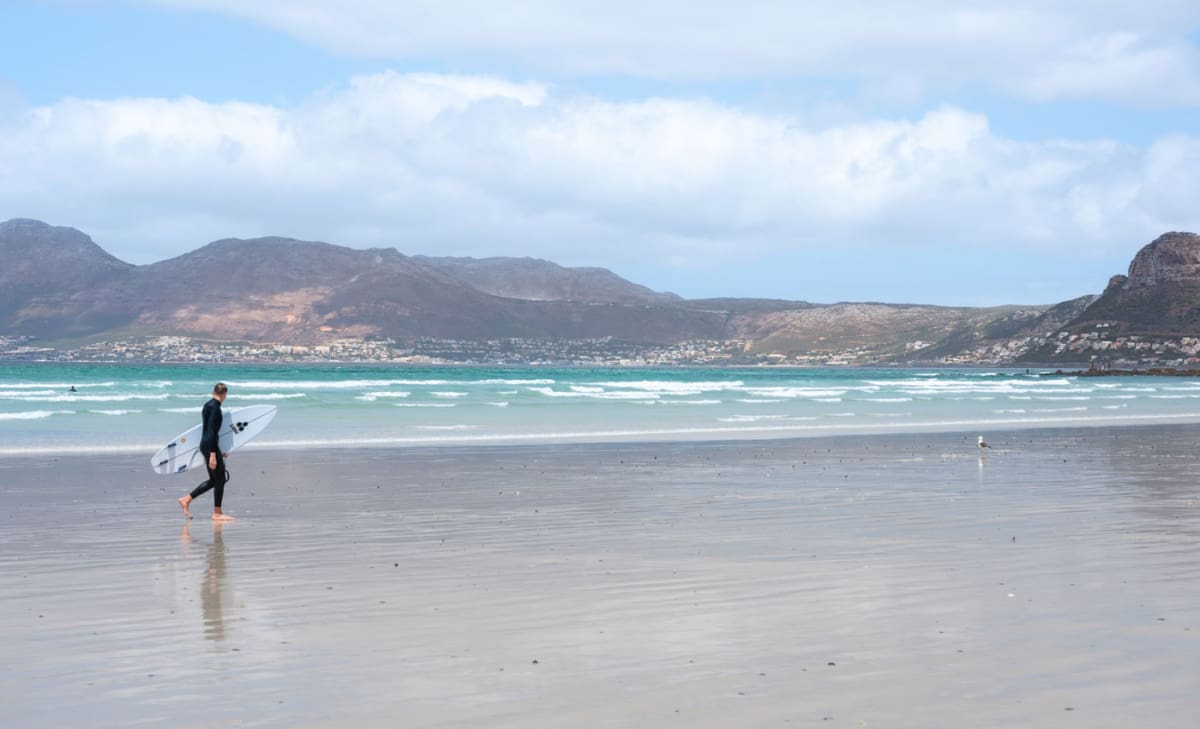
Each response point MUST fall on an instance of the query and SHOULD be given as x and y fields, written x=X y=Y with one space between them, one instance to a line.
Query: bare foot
x=183 y=504
x=222 y=517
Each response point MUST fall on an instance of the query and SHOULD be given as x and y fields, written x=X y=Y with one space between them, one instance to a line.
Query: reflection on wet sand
x=215 y=591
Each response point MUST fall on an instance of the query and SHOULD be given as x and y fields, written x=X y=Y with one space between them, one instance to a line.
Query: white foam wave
x=749 y=418
x=382 y=394
x=114 y=412
x=450 y=394
x=1005 y=389
x=180 y=410
x=934 y=380
x=626 y=395
x=425 y=404
x=267 y=395
x=667 y=387
x=446 y=427
x=512 y=382
x=330 y=384
x=795 y=392
x=689 y=402
x=56 y=385
x=827 y=399
x=34 y=414
x=115 y=397
x=498 y=404
x=887 y=399
x=939 y=386
x=758 y=401
x=1060 y=410
x=1168 y=397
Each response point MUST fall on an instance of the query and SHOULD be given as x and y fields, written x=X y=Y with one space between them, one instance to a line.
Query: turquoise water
x=132 y=408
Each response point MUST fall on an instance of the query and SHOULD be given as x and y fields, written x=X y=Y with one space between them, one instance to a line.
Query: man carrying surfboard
x=214 y=459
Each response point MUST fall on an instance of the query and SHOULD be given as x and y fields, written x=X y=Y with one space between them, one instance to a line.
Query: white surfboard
x=238 y=427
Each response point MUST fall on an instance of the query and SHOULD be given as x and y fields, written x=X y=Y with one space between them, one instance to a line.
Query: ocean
x=132 y=408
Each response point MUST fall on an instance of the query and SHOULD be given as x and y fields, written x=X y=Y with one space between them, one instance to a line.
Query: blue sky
x=948 y=153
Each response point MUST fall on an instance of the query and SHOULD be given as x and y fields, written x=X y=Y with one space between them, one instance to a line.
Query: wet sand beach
x=891 y=581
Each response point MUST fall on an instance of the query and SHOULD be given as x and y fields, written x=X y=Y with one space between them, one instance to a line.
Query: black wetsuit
x=209 y=444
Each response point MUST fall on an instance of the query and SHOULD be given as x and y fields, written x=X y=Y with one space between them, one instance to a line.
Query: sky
x=938 y=152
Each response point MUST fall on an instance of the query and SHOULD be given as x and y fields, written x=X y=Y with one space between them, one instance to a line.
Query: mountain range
x=57 y=284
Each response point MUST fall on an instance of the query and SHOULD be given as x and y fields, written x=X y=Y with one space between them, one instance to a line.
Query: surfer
x=214 y=459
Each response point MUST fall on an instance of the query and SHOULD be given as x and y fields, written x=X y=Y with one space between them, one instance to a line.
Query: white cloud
x=1141 y=53
x=485 y=166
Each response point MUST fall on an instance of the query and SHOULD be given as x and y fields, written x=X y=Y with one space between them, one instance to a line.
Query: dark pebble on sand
x=831 y=663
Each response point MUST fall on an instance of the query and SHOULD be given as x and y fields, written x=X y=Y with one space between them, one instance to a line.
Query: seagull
x=982 y=443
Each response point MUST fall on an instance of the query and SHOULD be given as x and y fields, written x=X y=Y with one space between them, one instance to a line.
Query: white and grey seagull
x=982 y=443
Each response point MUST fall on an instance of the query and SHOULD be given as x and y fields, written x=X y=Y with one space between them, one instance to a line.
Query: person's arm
x=208 y=418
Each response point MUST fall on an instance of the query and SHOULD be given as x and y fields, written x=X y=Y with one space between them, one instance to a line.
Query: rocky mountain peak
x=1160 y=296
x=1170 y=258
x=38 y=256
x=33 y=238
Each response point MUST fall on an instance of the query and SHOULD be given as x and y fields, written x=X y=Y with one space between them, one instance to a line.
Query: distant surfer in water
x=214 y=459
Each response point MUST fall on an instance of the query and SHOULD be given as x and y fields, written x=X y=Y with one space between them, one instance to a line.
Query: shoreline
x=681 y=436
x=1148 y=372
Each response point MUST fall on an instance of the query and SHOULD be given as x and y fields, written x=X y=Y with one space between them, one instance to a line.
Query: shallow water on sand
x=900 y=582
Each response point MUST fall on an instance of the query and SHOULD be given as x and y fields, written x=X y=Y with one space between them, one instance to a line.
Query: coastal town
x=1098 y=347
x=502 y=351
